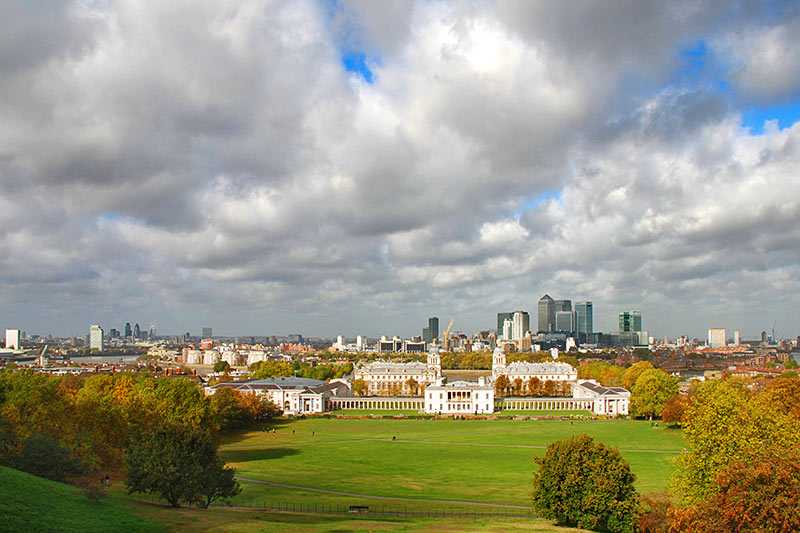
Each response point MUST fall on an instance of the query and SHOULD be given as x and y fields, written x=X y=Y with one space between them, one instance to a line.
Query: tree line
x=78 y=428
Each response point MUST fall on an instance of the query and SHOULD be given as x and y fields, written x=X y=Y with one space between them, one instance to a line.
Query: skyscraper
x=501 y=319
x=137 y=331
x=562 y=305
x=584 y=326
x=431 y=333
x=95 y=338
x=128 y=330
x=547 y=314
x=521 y=324
x=12 y=339
x=206 y=333
x=737 y=338
x=717 y=337
x=630 y=321
x=565 y=321
x=508 y=329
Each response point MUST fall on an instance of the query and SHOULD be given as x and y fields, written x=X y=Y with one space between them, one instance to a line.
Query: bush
x=654 y=513
x=585 y=484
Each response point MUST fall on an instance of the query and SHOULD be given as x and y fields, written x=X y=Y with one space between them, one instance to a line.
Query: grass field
x=30 y=503
x=430 y=463
x=559 y=413
x=382 y=412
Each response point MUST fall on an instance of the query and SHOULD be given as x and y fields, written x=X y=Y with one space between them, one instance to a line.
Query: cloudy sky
x=324 y=167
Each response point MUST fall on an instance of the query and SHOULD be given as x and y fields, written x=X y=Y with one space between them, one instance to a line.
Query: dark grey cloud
x=184 y=163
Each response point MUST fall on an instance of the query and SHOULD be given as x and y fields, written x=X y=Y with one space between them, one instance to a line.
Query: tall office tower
x=562 y=305
x=521 y=324
x=584 y=323
x=137 y=331
x=501 y=319
x=12 y=339
x=565 y=321
x=95 y=338
x=630 y=321
x=360 y=343
x=508 y=329
x=206 y=333
x=737 y=338
x=547 y=314
x=716 y=338
x=763 y=337
x=128 y=330
x=431 y=333
x=151 y=334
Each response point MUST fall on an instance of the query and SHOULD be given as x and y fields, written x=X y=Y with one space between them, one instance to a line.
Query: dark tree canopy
x=585 y=484
x=180 y=465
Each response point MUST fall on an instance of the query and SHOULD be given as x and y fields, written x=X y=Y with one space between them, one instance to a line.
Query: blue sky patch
x=357 y=62
x=755 y=116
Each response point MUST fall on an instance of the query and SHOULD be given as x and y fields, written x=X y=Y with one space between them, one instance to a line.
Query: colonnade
x=389 y=404
x=546 y=404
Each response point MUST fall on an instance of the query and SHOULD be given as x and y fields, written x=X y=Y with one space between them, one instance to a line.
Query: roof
x=523 y=367
x=388 y=367
x=601 y=390
x=273 y=383
x=471 y=385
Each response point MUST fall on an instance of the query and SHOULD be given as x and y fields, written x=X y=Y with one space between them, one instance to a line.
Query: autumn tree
x=651 y=391
x=501 y=385
x=783 y=395
x=221 y=366
x=604 y=373
x=412 y=386
x=760 y=494
x=674 y=408
x=534 y=386
x=723 y=425
x=517 y=386
x=585 y=484
x=549 y=388
x=360 y=387
x=633 y=372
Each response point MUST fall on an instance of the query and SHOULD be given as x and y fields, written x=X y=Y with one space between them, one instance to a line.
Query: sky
x=353 y=167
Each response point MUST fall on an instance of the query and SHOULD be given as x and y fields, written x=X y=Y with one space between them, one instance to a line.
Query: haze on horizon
x=353 y=167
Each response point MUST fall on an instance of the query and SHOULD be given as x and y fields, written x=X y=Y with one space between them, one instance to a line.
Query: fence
x=380 y=510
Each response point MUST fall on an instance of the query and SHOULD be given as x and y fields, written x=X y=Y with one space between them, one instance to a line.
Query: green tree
x=585 y=484
x=228 y=411
x=44 y=456
x=633 y=372
x=221 y=366
x=723 y=425
x=179 y=465
x=268 y=369
x=359 y=387
x=652 y=390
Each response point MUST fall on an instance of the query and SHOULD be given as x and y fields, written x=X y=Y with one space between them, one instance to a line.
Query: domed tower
x=435 y=362
x=498 y=362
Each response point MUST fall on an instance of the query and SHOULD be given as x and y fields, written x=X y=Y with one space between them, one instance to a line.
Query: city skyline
x=328 y=167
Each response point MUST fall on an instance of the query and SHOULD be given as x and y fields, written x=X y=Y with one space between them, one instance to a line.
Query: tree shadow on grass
x=278 y=424
x=263 y=454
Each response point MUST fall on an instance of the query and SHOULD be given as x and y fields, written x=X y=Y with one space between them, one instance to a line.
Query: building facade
x=501 y=320
x=95 y=338
x=460 y=397
x=565 y=322
x=393 y=378
x=293 y=396
x=584 y=315
x=547 y=314
x=717 y=338
x=630 y=321
x=13 y=339
x=549 y=371
x=607 y=401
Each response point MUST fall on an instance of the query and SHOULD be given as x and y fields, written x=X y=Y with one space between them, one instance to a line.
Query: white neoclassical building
x=549 y=371
x=291 y=395
x=388 y=377
x=460 y=397
x=608 y=401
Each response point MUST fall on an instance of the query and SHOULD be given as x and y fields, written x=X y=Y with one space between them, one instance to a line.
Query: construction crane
x=446 y=336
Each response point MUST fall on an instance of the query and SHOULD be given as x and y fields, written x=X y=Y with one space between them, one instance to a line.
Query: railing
x=388 y=511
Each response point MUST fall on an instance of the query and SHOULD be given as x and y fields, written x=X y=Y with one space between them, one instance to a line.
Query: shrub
x=585 y=484
x=44 y=456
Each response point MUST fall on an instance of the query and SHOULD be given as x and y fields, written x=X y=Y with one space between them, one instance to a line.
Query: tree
x=501 y=385
x=549 y=388
x=723 y=425
x=228 y=411
x=222 y=366
x=762 y=494
x=605 y=373
x=180 y=465
x=674 y=408
x=632 y=374
x=359 y=387
x=585 y=484
x=268 y=369
x=412 y=386
x=44 y=456
x=517 y=385
x=534 y=385
x=783 y=395
x=652 y=390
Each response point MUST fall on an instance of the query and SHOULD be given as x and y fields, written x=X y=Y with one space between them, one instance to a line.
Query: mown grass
x=30 y=503
x=488 y=461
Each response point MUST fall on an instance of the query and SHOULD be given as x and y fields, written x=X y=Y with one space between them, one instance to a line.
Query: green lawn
x=569 y=413
x=30 y=503
x=488 y=461
x=383 y=412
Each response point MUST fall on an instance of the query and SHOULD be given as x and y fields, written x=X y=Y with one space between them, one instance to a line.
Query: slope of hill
x=30 y=503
